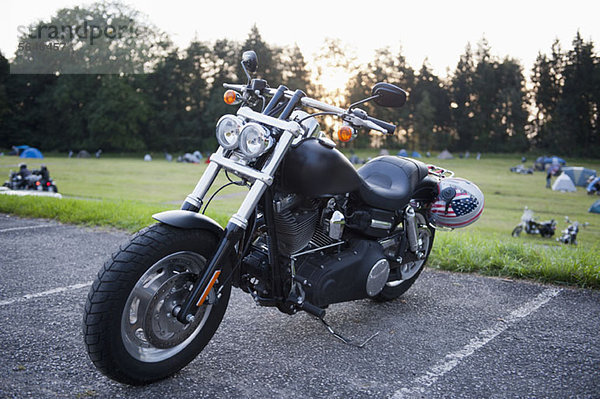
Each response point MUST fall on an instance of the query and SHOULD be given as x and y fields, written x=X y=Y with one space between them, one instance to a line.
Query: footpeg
x=313 y=310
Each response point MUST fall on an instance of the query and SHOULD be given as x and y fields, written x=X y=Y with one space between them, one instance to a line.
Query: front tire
x=129 y=328
x=517 y=231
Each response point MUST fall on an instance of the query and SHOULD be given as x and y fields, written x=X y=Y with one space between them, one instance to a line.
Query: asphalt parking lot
x=450 y=336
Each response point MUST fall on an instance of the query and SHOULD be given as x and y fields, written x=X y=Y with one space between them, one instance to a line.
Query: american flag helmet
x=458 y=204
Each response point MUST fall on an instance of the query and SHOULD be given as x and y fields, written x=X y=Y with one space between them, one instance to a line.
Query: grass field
x=124 y=192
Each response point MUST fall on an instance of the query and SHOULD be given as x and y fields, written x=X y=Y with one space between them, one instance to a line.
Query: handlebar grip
x=235 y=87
x=389 y=128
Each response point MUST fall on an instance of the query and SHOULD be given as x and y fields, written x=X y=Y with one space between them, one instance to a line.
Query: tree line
x=484 y=105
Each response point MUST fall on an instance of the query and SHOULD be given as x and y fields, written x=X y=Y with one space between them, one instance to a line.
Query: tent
x=83 y=154
x=542 y=162
x=18 y=149
x=415 y=154
x=402 y=153
x=595 y=208
x=564 y=183
x=445 y=155
x=579 y=174
x=31 y=153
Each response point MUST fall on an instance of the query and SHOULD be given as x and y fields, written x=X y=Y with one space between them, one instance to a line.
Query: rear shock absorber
x=411 y=228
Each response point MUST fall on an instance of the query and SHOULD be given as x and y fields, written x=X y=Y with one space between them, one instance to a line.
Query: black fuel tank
x=313 y=168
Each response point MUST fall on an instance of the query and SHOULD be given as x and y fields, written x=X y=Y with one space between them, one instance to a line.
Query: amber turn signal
x=229 y=97
x=345 y=134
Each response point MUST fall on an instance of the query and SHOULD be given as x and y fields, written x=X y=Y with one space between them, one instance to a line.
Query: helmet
x=458 y=204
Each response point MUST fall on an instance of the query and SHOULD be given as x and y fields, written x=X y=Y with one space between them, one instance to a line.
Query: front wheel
x=403 y=276
x=130 y=330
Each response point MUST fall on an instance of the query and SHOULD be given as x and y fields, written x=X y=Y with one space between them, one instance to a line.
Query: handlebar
x=368 y=121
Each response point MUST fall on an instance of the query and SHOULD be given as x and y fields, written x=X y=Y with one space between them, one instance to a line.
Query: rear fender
x=189 y=220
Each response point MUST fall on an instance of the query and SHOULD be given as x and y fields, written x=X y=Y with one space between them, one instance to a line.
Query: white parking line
x=45 y=293
x=419 y=385
x=26 y=227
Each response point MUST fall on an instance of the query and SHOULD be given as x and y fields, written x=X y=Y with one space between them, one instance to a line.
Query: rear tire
x=412 y=270
x=128 y=305
x=517 y=231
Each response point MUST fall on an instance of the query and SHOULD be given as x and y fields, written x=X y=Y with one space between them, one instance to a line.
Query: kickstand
x=345 y=340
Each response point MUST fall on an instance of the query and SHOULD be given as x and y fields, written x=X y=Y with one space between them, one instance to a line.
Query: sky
x=432 y=30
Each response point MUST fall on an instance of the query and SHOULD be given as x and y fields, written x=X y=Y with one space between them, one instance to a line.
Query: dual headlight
x=251 y=139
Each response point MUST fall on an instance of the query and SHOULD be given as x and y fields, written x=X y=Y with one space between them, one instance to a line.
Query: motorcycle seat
x=388 y=182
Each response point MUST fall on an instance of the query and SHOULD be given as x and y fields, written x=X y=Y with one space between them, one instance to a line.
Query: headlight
x=254 y=140
x=228 y=130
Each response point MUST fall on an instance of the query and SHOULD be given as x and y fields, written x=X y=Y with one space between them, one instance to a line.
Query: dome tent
x=564 y=183
x=31 y=153
x=445 y=155
x=578 y=174
x=595 y=208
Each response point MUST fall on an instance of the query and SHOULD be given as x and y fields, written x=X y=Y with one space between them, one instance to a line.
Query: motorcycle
x=569 y=235
x=312 y=231
x=36 y=180
x=531 y=226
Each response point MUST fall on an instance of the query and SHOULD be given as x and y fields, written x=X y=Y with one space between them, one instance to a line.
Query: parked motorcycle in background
x=24 y=179
x=312 y=231
x=531 y=226
x=569 y=235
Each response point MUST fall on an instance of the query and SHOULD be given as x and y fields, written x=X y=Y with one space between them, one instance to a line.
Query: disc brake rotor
x=150 y=331
x=161 y=327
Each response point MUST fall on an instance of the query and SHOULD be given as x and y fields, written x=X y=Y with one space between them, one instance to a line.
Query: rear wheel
x=517 y=231
x=130 y=329
x=408 y=271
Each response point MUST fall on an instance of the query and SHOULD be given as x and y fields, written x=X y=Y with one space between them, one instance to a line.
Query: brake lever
x=355 y=119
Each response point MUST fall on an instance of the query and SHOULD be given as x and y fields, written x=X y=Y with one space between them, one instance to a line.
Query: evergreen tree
x=295 y=70
x=223 y=62
x=489 y=103
x=463 y=107
x=116 y=116
x=179 y=91
x=62 y=111
x=432 y=111
x=387 y=67
x=547 y=79
x=424 y=123
x=269 y=62
x=6 y=113
x=566 y=95
x=578 y=106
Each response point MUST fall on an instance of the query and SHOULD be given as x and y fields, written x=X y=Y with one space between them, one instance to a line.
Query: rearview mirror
x=388 y=95
x=250 y=61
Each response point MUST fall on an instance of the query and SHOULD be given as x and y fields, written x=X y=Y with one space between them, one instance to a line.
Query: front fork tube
x=232 y=235
x=235 y=228
x=193 y=202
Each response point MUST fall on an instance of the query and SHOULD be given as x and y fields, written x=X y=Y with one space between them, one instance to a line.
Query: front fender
x=189 y=220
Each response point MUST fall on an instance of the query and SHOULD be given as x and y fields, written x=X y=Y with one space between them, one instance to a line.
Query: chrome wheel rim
x=149 y=330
